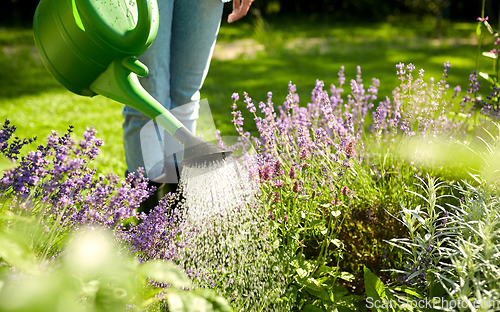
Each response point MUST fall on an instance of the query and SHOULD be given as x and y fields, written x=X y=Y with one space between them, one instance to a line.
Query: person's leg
x=141 y=143
x=194 y=32
x=175 y=80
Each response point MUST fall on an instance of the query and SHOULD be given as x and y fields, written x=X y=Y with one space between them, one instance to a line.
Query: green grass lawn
x=36 y=103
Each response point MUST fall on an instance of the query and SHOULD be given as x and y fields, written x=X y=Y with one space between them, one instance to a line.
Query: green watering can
x=90 y=47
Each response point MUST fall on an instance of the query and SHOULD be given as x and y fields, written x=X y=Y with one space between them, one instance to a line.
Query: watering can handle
x=133 y=42
x=120 y=83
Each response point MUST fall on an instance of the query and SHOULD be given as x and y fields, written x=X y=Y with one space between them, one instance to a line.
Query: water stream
x=231 y=243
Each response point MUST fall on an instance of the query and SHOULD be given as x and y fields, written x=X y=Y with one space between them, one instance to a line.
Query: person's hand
x=240 y=9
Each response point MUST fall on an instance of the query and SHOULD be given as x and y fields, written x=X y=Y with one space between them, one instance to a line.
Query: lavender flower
x=11 y=150
x=58 y=175
x=447 y=66
x=401 y=72
x=156 y=237
x=248 y=101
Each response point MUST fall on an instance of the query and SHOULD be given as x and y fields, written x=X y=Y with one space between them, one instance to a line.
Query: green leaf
x=302 y=273
x=336 y=242
x=165 y=272
x=317 y=222
x=375 y=289
x=490 y=55
x=194 y=301
x=437 y=290
x=328 y=270
x=478 y=29
x=16 y=252
x=176 y=302
x=338 y=291
x=219 y=303
x=488 y=26
x=335 y=273
x=485 y=76
x=373 y=285
x=311 y=308
x=409 y=291
x=307 y=265
x=314 y=288
x=346 y=276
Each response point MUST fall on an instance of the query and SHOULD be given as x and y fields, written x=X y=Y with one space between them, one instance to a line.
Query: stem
x=482 y=10
x=496 y=61
x=480 y=41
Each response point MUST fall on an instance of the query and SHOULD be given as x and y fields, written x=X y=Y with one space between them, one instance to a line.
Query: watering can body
x=78 y=39
x=90 y=47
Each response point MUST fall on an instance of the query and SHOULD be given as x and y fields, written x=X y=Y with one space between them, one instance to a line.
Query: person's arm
x=240 y=9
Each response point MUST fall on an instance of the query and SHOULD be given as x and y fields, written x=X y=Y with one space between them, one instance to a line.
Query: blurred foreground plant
x=93 y=276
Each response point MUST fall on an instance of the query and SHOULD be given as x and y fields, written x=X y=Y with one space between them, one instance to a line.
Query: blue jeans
x=178 y=62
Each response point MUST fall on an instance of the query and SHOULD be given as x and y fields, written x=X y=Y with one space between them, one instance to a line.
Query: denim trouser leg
x=178 y=62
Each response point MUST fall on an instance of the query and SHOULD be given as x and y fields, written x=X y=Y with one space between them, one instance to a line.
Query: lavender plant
x=52 y=192
x=303 y=156
x=490 y=104
x=423 y=109
x=428 y=235
x=92 y=275
x=324 y=179
x=55 y=186
x=156 y=237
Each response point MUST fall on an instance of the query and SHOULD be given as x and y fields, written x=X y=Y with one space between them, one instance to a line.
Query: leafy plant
x=92 y=276
x=451 y=250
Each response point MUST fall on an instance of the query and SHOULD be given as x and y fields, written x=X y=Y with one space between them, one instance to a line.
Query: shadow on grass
x=23 y=73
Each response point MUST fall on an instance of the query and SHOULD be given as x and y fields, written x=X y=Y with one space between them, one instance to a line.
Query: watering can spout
x=120 y=82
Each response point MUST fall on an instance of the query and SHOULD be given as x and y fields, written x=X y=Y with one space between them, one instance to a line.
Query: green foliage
x=449 y=252
x=92 y=276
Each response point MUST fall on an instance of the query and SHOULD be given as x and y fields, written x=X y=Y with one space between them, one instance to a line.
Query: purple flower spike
x=447 y=66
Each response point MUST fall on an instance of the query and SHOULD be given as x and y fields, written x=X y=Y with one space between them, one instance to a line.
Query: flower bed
x=361 y=203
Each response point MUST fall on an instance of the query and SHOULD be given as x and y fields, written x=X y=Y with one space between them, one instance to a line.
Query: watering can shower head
x=90 y=47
